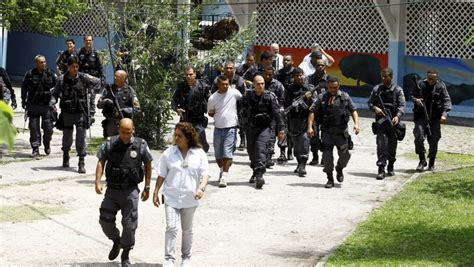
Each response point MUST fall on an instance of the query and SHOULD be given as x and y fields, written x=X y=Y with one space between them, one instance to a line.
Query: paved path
x=292 y=221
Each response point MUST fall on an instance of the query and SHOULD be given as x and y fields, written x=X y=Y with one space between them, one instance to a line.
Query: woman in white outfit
x=184 y=171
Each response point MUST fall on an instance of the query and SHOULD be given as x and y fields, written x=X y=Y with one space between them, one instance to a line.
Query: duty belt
x=121 y=186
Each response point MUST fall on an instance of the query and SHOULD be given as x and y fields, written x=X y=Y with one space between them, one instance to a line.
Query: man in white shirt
x=316 y=53
x=277 y=62
x=222 y=106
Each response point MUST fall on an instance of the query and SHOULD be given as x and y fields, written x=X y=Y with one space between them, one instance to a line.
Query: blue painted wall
x=23 y=47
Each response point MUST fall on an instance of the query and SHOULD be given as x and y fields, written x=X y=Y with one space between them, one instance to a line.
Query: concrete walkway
x=293 y=221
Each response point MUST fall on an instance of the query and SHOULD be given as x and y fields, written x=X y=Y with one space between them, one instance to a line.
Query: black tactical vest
x=39 y=86
x=124 y=162
x=260 y=109
x=194 y=101
x=74 y=93
x=89 y=62
x=335 y=116
x=389 y=98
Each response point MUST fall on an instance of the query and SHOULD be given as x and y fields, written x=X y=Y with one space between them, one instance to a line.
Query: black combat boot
x=315 y=159
x=390 y=171
x=381 y=173
x=302 y=170
x=282 y=158
x=339 y=174
x=422 y=164
x=114 y=252
x=298 y=165
x=47 y=149
x=330 y=182
x=252 y=179
x=81 y=164
x=66 y=159
x=431 y=164
x=259 y=180
x=125 y=258
x=35 y=153
x=289 y=155
x=270 y=162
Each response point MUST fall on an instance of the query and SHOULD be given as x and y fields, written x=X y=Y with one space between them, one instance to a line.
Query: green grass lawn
x=429 y=223
x=93 y=145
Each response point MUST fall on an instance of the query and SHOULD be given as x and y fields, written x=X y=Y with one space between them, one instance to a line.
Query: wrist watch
x=147 y=188
x=203 y=189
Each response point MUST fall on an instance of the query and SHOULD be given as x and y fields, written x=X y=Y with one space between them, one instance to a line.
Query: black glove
x=14 y=104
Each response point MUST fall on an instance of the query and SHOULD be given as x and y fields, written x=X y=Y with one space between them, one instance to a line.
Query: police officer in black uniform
x=6 y=90
x=333 y=109
x=266 y=59
x=319 y=80
x=249 y=62
x=35 y=97
x=285 y=76
x=274 y=86
x=127 y=160
x=298 y=118
x=89 y=63
x=433 y=94
x=261 y=107
x=72 y=89
x=236 y=82
x=61 y=62
x=393 y=100
x=190 y=103
x=118 y=101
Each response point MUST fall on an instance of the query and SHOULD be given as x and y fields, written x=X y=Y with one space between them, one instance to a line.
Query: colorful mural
x=357 y=72
x=458 y=74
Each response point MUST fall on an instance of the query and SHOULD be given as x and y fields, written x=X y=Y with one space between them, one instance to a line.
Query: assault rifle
x=425 y=111
x=299 y=102
x=386 y=120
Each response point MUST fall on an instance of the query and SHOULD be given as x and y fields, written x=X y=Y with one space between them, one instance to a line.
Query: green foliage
x=7 y=129
x=93 y=145
x=153 y=33
x=46 y=16
x=428 y=224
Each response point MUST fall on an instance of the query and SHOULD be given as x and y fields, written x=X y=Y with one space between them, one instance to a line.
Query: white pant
x=173 y=216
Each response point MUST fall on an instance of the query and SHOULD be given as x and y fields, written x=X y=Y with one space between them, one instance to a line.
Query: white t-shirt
x=225 y=107
x=182 y=176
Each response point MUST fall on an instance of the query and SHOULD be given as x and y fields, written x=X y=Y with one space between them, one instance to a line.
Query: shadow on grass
x=451 y=187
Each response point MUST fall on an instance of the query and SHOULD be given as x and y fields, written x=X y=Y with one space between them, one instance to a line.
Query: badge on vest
x=133 y=154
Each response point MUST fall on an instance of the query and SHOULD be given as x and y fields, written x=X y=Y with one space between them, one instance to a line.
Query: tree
x=152 y=32
x=46 y=16
x=360 y=67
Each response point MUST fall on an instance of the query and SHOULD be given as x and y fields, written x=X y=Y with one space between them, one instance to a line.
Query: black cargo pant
x=202 y=135
x=125 y=200
x=257 y=146
x=340 y=140
x=79 y=120
x=35 y=113
x=420 y=135
x=386 y=146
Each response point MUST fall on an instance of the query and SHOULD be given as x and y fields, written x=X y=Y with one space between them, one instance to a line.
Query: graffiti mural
x=457 y=74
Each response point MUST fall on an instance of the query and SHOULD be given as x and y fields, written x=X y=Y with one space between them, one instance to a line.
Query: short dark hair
x=189 y=133
x=189 y=67
x=70 y=40
x=297 y=71
x=85 y=36
x=389 y=71
x=222 y=77
x=316 y=54
x=266 y=55
x=268 y=68
x=250 y=55
x=72 y=59
x=333 y=79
